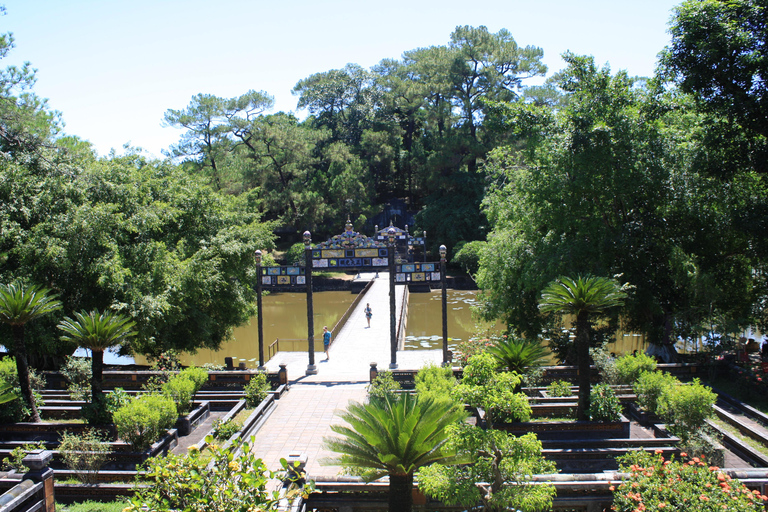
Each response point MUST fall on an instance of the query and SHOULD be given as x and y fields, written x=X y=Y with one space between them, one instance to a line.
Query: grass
x=242 y=416
x=92 y=506
x=755 y=445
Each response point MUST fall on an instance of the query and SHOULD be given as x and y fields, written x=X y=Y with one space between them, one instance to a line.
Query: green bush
x=180 y=390
x=480 y=369
x=649 y=387
x=382 y=385
x=85 y=454
x=686 y=408
x=482 y=386
x=257 y=389
x=223 y=430
x=629 y=367
x=502 y=404
x=197 y=375
x=13 y=460
x=144 y=420
x=295 y=255
x=468 y=256
x=605 y=364
x=559 y=388
x=604 y=405
x=234 y=479
x=101 y=411
x=77 y=371
x=435 y=382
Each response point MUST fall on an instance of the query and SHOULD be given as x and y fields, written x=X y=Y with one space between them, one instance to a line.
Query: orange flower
x=704 y=498
x=683 y=454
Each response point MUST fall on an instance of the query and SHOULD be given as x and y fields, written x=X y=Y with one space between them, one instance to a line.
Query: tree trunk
x=23 y=370
x=401 y=493
x=97 y=370
x=582 y=360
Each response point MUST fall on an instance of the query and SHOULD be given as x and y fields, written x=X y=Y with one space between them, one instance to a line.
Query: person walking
x=326 y=342
x=368 y=313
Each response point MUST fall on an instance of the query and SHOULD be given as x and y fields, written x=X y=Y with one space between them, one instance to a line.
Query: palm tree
x=20 y=304
x=583 y=297
x=394 y=436
x=517 y=354
x=97 y=332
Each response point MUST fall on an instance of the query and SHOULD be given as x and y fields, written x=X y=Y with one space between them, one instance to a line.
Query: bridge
x=307 y=411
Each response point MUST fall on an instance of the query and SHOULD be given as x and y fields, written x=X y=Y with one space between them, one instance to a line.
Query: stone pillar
x=37 y=461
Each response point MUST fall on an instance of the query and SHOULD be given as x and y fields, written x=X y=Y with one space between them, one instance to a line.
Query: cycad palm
x=97 y=332
x=582 y=297
x=517 y=354
x=394 y=436
x=19 y=305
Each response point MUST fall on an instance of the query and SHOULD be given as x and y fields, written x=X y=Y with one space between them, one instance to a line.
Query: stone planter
x=569 y=429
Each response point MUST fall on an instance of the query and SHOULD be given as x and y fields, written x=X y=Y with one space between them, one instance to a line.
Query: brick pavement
x=304 y=414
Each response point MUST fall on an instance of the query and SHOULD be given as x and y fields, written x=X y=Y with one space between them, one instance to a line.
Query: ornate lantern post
x=311 y=368
x=443 y=251
x=392 y=309
x=258 y=305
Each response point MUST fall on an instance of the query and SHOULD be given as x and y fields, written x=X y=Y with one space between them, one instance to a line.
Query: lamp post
x=425 y=245
x=258 y=305
x=443 y=250
x=311 y=368
x=392 y=310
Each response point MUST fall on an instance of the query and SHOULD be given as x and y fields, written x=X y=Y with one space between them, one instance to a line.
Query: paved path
x=304 y=414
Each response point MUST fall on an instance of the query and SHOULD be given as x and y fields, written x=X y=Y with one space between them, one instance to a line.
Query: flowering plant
x=658 y=484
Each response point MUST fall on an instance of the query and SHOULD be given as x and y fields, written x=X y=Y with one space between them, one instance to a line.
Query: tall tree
x=19 y=305
x=584 y=297
x=719 y=53
x=97 y=332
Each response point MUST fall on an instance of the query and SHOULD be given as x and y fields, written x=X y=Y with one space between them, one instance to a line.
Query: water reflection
x=425 y=321
x=285 y=317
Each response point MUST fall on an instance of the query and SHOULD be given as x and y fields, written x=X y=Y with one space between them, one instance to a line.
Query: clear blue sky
x=112 y=68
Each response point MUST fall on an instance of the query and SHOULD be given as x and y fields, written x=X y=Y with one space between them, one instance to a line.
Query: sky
x=112 y=68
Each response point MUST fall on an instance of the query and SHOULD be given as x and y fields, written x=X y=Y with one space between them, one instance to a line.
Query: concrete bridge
x=306 y=412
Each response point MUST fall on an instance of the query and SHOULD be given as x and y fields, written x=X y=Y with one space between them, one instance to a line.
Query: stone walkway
x=304 y=414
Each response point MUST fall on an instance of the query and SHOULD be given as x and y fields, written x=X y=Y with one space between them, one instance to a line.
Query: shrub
x=144 y=420
x=180 y=390
x=559 y=388
x=686 y=408
x=257 y=389
x=629 y=367
x=605 y=364
x=697 y=486
x=197 y=375
x=502 y=404
x=470 y=347
x=231 y=479
x=468 y=256
x=382 y=385
x=480 y=369
x=649 y=387
x=435 y=382
x=77 y=371
x=101 y=411
x=295 y=255
x=84 y=454
x=223 y=430
x=13 y=460
x=604 y=405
